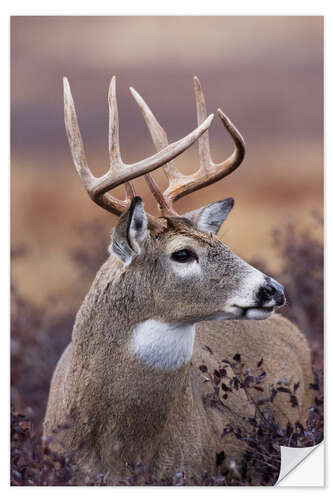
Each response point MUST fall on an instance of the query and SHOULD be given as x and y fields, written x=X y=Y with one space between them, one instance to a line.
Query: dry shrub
x=36 y=346
x=31 y=463
x=302 y=274
x=262 y=434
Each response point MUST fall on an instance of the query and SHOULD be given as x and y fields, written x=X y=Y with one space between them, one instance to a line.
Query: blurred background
x=266 y=73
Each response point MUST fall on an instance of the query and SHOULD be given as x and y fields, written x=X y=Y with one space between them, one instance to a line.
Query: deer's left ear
x=130 y=232
x=210 y=218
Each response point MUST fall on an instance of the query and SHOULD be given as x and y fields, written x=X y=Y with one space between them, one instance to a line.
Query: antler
x=208 y=173
x=119 y=172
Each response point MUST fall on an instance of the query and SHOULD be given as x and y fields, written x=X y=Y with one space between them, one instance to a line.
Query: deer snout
x=271 y=293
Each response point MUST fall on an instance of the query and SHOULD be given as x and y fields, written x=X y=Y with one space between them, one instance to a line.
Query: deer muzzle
x=271 y=294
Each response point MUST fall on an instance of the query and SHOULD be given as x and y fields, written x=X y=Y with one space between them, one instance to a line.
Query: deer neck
x=134 y=367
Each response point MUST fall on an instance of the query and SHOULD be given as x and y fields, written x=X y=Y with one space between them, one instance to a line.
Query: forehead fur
x=182 y=227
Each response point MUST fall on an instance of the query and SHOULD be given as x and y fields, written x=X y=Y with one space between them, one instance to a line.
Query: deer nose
x=272 y=291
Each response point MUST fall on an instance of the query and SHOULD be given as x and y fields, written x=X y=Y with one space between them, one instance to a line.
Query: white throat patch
x=164 y=346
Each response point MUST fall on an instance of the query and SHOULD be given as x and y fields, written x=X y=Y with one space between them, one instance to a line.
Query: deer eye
x=184 y=255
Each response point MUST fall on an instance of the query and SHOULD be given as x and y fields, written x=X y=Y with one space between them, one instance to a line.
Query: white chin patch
x=254 y=313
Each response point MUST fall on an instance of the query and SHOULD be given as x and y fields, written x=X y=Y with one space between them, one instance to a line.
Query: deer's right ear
x=130 y=233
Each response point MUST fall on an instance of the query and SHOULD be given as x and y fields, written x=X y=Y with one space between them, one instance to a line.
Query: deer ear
x=130 y=233
x=210 y=218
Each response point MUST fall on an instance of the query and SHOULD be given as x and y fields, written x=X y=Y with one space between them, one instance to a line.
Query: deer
x=129 y=380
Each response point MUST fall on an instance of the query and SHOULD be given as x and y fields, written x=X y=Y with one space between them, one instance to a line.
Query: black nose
x=272 y=290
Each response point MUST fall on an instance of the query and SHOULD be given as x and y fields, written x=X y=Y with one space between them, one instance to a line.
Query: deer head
x=177 y=267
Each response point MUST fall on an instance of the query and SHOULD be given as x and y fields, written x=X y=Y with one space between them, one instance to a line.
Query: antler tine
x=75 y=139
x=118 y=173
x=204 y=149
x=208 y=167
x=160 y=140
x=114 y=147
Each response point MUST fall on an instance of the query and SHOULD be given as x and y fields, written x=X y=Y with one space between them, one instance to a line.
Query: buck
x=129 y=380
